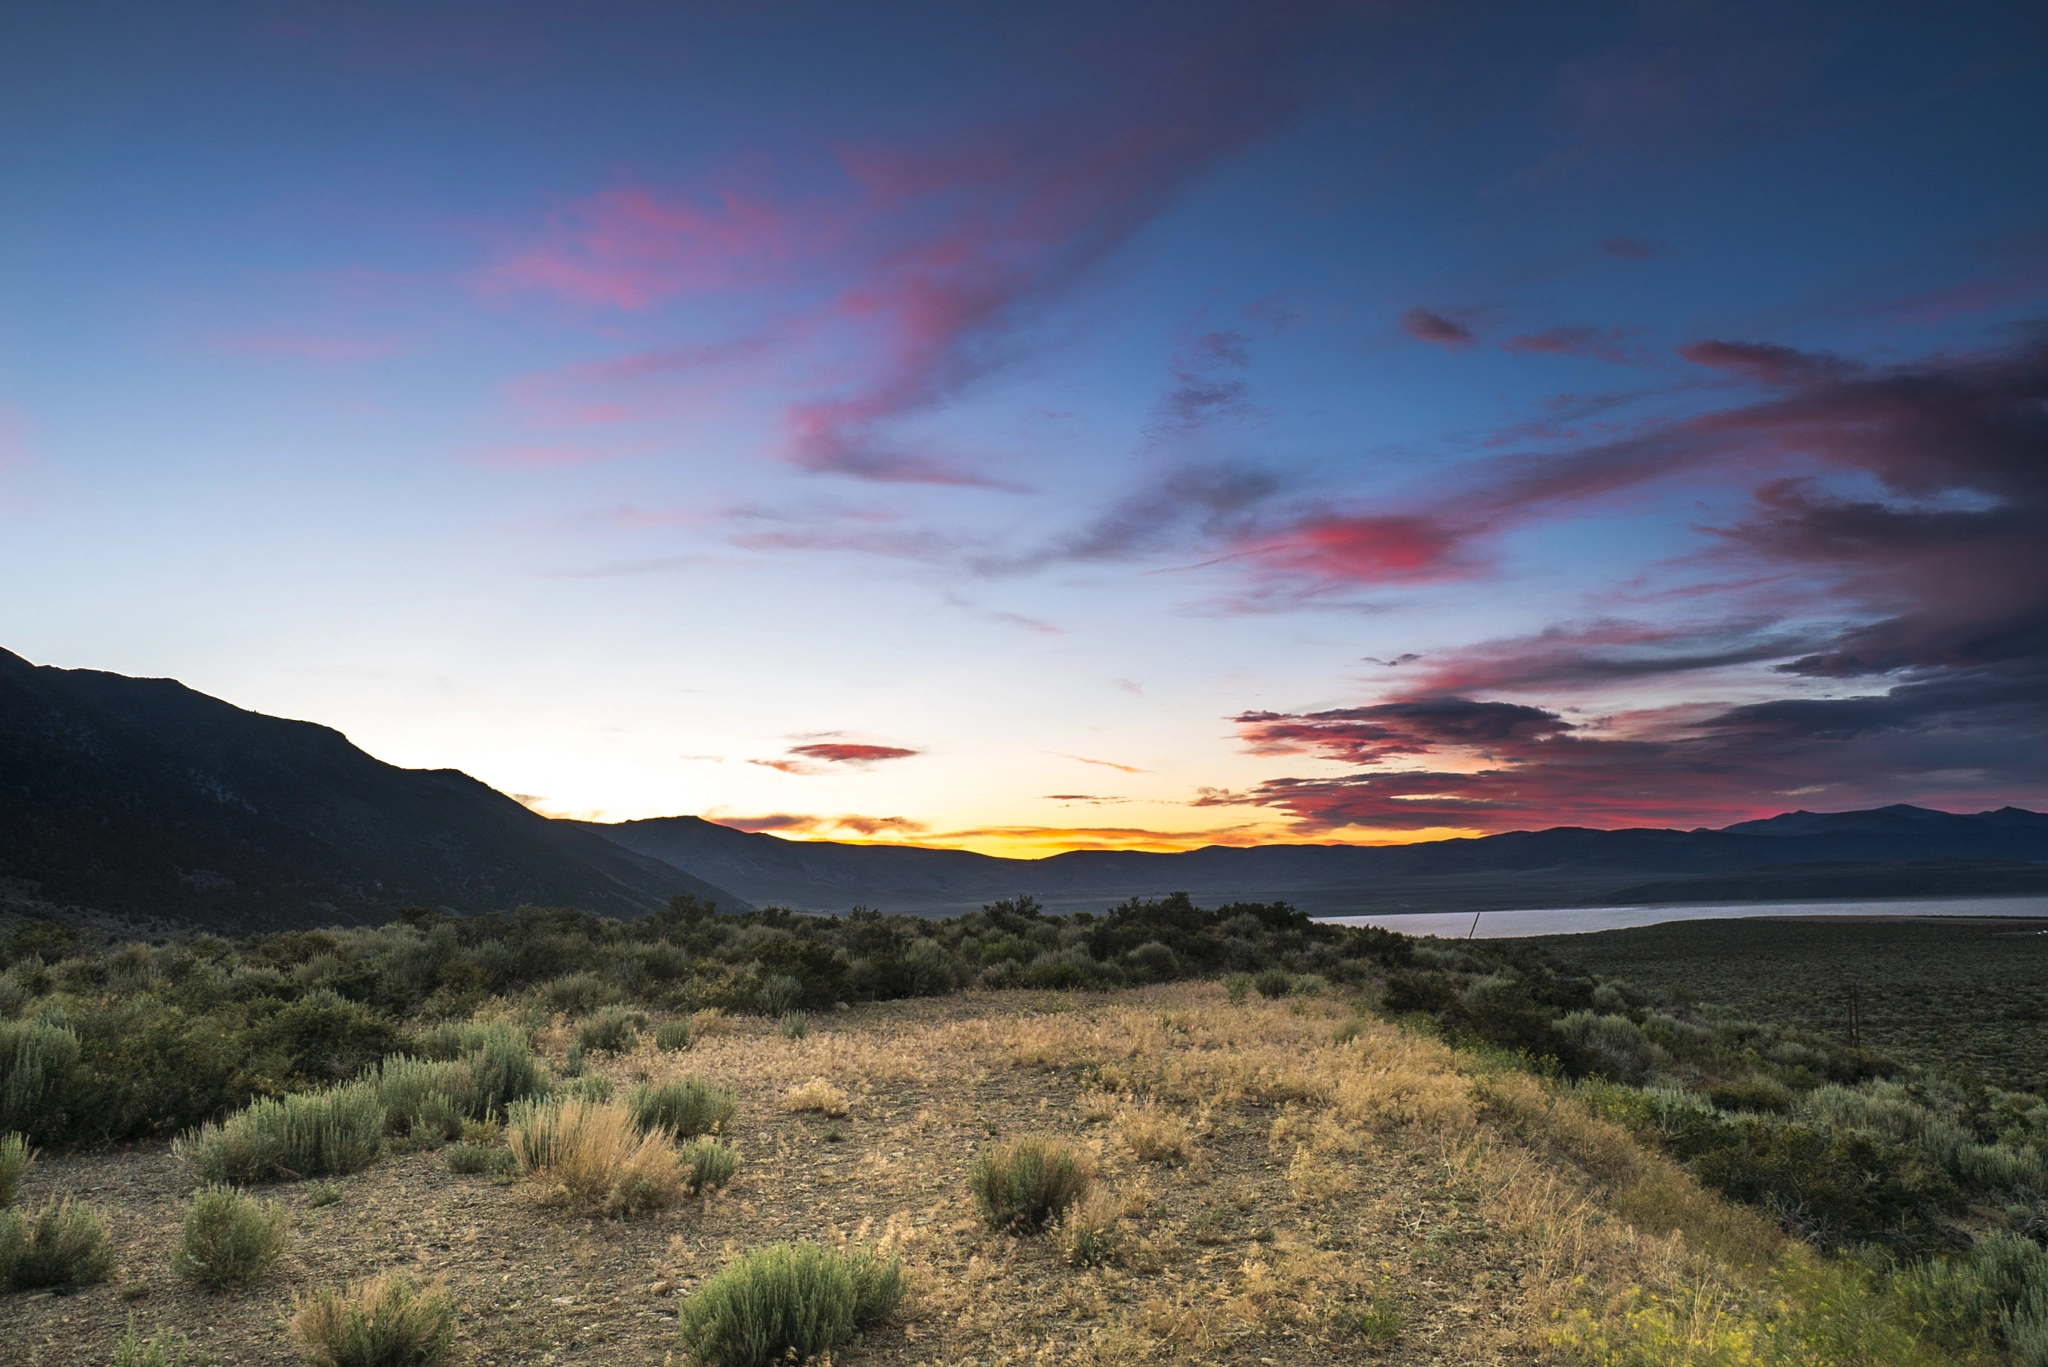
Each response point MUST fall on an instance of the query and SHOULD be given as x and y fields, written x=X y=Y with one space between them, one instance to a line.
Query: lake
x=1498 y=925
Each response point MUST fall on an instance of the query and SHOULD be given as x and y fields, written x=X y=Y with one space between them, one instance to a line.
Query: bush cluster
x=1841 y=1146
x=151 y=1040
x=306 y=1134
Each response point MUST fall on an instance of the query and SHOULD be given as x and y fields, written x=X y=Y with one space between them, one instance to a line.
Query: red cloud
x=842 y=753
x=1366 y=549
x=1427 y=326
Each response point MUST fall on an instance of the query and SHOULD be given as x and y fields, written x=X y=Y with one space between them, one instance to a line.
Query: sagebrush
x=788 y=1302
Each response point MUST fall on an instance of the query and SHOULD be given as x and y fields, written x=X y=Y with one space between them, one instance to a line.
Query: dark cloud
x=1364 y=735
x=1425 y=325
x=1920 y=514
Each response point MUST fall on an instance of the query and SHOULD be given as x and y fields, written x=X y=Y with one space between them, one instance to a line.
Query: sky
x=1030 y=428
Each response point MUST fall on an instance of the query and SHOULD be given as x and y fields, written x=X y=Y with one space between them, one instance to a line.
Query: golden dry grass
x=816 y=1095
x=592 y=1155
x=385 y=1320
x=1331 y=1190
x=1154 y=1134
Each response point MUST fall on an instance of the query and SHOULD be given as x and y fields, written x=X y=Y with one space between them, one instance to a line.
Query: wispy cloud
x=926 y=267
x=1104 y=763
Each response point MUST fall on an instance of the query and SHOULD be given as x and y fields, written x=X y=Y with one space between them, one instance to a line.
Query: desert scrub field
x=1959 y=994
x=1284 y=1180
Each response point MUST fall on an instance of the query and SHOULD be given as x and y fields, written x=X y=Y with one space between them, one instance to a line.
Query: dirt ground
x=1260 y=1248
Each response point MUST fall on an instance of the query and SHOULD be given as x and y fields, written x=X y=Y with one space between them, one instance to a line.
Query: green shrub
x=708 y=1166
x=1026 y=1183
x=434 y=1099
x=2000 y=1285
x=320 y=1194
x=60 y=1245
x=788 y=1302
x=779 y=994
x=1831 y=1189
x=614 y=1030
x=427 y=1099
x=308 y=1134
x=1274 y=983
x=502 y=1070
x=579 y=994
x=1237 y=987
x=36 y=1061
x=687 y=1107
x=230 y=1240
x=163 y=1350
x=16 y=1158
x=475 y=1158
x=673 y=1036
x=384 y=1322
x=796 y=1025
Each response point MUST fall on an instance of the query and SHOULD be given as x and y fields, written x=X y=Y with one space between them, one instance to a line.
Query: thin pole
x=1475 y=923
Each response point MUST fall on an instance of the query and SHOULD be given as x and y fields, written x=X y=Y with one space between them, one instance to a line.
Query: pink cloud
x=1572 y=341
x=1440 y=329
x=888 y=294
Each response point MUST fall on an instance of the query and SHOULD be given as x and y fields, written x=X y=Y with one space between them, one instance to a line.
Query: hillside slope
x=142 y=797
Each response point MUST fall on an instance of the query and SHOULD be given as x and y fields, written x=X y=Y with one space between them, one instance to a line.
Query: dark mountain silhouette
x=1865 y=854
x=141 y=797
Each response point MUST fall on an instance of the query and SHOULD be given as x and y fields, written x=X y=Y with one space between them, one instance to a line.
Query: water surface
x=1494 y=925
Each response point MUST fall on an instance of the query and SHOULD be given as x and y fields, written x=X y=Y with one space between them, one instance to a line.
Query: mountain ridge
x=142 y=797
x=146 y=798
x=1557 y=866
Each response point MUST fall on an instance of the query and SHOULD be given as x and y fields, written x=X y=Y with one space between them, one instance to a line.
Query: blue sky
x=1057 y=426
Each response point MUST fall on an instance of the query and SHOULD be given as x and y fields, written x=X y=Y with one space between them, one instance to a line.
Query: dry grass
x=592 y=1155
x=1381 y=1199
x=383 y=1322
x=816 y=1095
x=1154 y=1135
x=710 y=1023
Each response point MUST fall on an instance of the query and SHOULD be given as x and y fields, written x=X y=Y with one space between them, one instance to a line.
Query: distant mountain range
x=1564 y=866
x=144 y=798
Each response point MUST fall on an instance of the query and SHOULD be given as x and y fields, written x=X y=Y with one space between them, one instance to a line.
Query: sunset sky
x=1035 y=427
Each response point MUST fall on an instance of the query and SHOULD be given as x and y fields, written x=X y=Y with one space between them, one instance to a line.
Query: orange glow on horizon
x=1043 y=842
